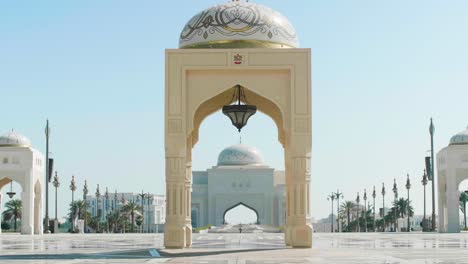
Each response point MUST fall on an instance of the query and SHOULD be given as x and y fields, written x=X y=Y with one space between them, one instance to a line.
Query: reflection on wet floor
x=232 y=248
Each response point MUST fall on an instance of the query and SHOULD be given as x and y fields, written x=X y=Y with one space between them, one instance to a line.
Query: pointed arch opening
x=241 y=213
x=217 y=102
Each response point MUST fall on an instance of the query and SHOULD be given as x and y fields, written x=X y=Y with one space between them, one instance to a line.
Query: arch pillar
x=299 y=229
x=1 y=209
x=175 y=230
x=38 y=226
x=188 y=193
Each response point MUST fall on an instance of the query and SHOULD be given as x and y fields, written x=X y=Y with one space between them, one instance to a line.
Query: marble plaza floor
x=265 y=248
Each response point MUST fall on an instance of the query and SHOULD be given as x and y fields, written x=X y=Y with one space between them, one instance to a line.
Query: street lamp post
x=114 y=206
x=338 y=195
x=331 y=198
x=98 y=195
x=383 y=206
x=46 y=224
x=56 y=184
x=424 y=183
x=106 y=195
x=365 y=212
x=395 y=193
x=123 y=201
x=357 y=203
x=73 y=189
x=142 y=195
x=431 y=132
x=149 y=197
x=373 y=204
x=408 y=186
x=85 y=193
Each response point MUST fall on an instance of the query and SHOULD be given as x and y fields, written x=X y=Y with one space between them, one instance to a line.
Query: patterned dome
x=460 y=138
x=238 y=25
x=239 y=155
x=13 y=139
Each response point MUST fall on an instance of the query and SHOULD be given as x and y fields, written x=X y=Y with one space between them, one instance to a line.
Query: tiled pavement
x=236 y=248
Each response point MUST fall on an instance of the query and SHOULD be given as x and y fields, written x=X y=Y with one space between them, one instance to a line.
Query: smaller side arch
x=241 y=203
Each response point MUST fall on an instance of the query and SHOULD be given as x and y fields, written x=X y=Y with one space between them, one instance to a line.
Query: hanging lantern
x=11 y=193
x=239 y=113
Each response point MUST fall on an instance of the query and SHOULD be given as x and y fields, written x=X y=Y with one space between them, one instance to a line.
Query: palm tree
x=131 y=208
x=13 y=211
x=463 y=201
x=402 y=205
x=77 y=209
x=346 y=208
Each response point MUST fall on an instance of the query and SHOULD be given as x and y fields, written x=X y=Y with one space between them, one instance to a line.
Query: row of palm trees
x=355 y=218
x=123 y=219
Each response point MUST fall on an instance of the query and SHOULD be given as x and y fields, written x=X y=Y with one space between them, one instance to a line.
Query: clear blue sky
x=381 y=69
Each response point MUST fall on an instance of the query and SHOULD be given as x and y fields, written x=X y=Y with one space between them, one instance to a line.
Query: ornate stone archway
x=223 y=46
x=21 y=163
x=452 y=169
x=278 y=82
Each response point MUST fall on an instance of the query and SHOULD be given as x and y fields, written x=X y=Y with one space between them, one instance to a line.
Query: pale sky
x=380 y=70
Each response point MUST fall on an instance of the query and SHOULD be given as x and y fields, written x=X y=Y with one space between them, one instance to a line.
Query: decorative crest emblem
x=238 y=59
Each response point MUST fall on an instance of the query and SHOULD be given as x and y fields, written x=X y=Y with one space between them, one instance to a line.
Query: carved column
x=298 y=187
x=453 y=204
x=1 y=209
x=188 y=194
x=174 y=231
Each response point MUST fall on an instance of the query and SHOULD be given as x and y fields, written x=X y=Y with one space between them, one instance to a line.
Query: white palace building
x=239 y=178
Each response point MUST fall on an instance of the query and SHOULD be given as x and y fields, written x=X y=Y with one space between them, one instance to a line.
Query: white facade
x=452 y=169
x=240 y=177
x=25 y=165
x=154 y=209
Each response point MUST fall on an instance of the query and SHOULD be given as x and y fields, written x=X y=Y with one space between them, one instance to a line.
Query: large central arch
x=200 y=82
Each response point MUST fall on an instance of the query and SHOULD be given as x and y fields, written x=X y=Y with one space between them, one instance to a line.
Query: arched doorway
x=278 y=83
x=463 y=203
x=10 y=205
x=241 y=214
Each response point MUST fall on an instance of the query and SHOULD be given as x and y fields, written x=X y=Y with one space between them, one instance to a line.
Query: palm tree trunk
x=349 y=219
x=133 y=220
x=15 y=222
x=464 y=211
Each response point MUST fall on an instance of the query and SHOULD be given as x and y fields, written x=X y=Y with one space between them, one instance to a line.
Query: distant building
x=240 y=178
x=154 y=209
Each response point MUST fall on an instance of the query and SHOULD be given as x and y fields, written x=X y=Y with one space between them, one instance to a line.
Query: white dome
x=238 y=25
x=13 y=139
x=239 y=155
x=460 y=138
